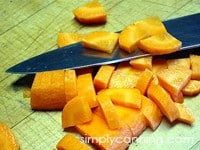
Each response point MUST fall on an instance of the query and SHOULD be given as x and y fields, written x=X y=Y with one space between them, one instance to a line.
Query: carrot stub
x=48 y=90
x=142 y=63
x=69 y=142
x=195 y=66
x=192 y=88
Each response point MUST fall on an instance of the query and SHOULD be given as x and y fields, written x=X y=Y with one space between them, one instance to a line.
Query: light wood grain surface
x=30 y=27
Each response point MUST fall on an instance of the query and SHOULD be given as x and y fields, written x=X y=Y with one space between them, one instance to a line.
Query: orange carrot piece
x=128 y=97
x=134 y=118
x=8 y=140
x=125 y=76
x=90 y=13
x=144 y=81
x=185 y=114
x=109 y=111
x=96 y=131
x=178 y=98
x=195 y=66
x=160 y=44
x=48 y=91
x=174 y=80
x=69 y=142
x=192 y=88
x=151 y=112
x=101 y=40
x=142 y=63
x=181 y=62
x=76 y=111
x=152 y=25
x=70 y=84
x=163 y=101
x=103 y=76
x=85 y=88
x=130 y=36
x=158 y=64
x=65 y=39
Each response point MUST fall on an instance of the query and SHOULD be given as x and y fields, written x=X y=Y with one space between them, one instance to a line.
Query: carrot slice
x=195 y=66
x=103 y=76
x=134 y=118
x=76 y=111
x=164 y=101
x=152 y=25
x=125 y=76
x=85 y=87
x=48 y=90
x=144 y=81
x=109 y=111
x=160 y=44
x=185 y=114
x=69 y=142
x=181 y=62
x=192 y=88
x=151 y=112
x=174 y=80
x=98 y=133
x=65 y=39
x=70 y=84
x=128 y=97
x=8 y=140
x=130 y=36
x=142 y=63
x=101 y=40
x=90 y=13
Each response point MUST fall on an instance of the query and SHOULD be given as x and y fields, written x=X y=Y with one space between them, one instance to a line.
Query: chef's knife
x=186 y=29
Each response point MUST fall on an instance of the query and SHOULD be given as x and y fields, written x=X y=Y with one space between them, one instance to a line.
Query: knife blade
x=186 y=29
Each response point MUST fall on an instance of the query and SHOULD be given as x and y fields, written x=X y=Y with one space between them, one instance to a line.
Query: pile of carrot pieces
x=118 y=102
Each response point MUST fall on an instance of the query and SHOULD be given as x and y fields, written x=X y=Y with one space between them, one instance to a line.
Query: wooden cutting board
x=29 y=28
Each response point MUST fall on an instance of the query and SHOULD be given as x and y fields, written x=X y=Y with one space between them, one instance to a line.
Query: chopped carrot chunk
x=195 y=66
x=181 y=62
x=142 y=63
x=163 y=101
x=192 y=88
x=90 y=13
x=160 y=44
x=76 y=111
x=65 y=39
x=130 y=36
x=101 y=40
x=185 y=114
x=69 y=142
x=102 y=78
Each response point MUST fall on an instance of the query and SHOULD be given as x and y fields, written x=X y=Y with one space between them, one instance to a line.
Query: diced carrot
x=158 y=64
x=151 y=112
x=192 y=88
x=144 y=81
x=195 y=66
x=69 y=142
x=185 y=114
x=76 y=111
x=160 y=44
x=70 y=84
x=142 y=63
x=125 y=76
x=97 y=132
x=128 y=97
x=152 y=25
x=181 y=62
x=85 y=87
x=178 y=98
x=109 y=111
x=90 y=13
x=8 y=140
x=103 y=76
x=174 y=80
x=134 y=118
x=101 y=40
x=65 y=39
x=163 y=101
x=130 y=36
x=48 y=90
